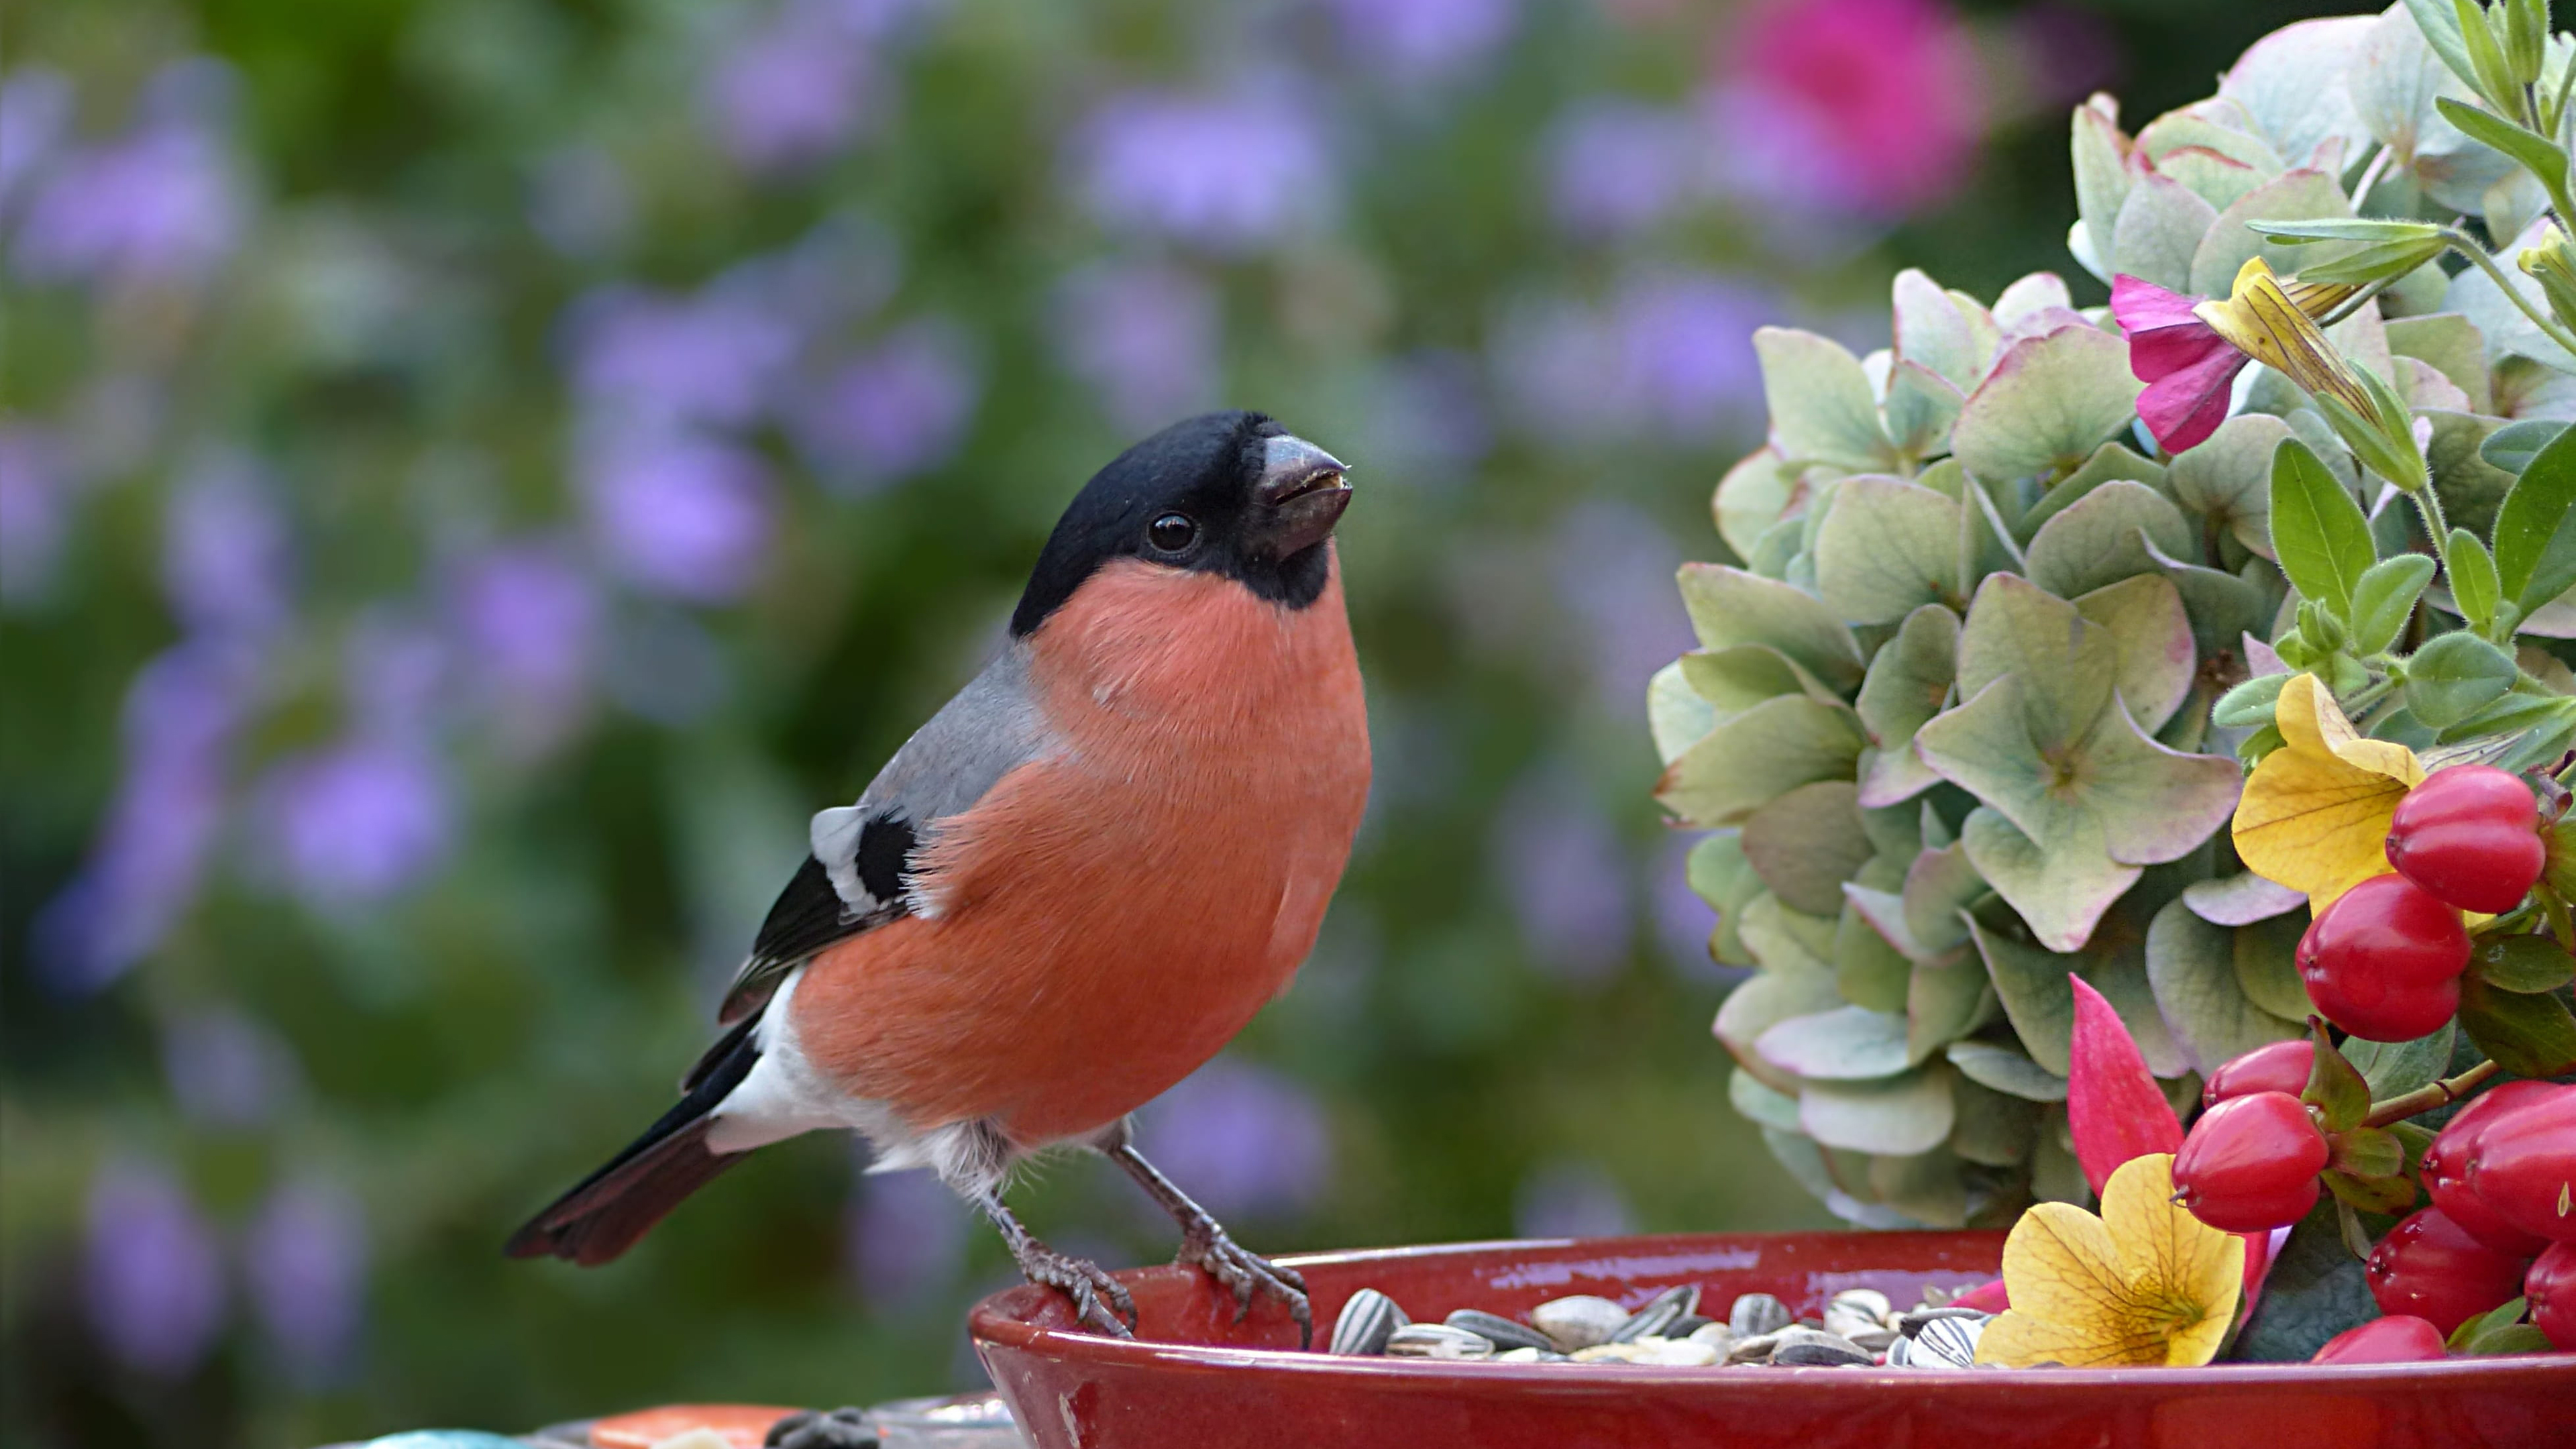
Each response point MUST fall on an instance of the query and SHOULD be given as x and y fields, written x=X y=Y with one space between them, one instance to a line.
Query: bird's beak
x=1300 y=497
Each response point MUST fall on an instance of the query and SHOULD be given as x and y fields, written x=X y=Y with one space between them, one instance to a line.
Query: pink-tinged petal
x=2143 y=306
x=2262 y=1250
x=2114 y=1109
x=2182 y=408
x=1985 y=1298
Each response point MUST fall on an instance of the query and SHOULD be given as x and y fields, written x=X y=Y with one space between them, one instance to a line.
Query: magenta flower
x=1890 y=88
x=2190 y=371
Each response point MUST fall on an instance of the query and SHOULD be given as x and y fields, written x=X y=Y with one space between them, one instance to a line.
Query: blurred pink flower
x=1888 y=88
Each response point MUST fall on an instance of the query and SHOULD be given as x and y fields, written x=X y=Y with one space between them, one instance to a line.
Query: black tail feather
x=607 y=1211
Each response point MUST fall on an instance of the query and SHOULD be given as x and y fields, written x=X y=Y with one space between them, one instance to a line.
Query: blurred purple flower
x=1667 y=359
x=1570 y=1200
x=900 y=408
x=1423 y=41
x=152 y=1272
x=907 y=1237
x=1616 y=167
x=357 y=821
x=1428 y=418
x=527 y=619
x=161 y=204
x=394 y=671
x=2067 y=53
x=179 y=720
x=1558 y=864
x=305 y=1262
x=793 y=88
x=1233 y=172
x=35 y=512
x=718 y=356
x=1145 y=336
x=36 y=104
x=1249 y=1141
x=678 y=512
x=227 y=555
x=227 y=1068
x=1614 y=570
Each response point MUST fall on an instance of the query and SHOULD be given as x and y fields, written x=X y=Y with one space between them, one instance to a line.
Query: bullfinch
x=1071 y=887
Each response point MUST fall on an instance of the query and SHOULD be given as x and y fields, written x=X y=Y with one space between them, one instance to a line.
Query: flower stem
x=2426 y=1098
x=2370 y=177
x=2430 y=505
x=2548 y=325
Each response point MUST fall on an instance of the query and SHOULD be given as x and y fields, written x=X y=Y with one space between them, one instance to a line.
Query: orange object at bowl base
x=741 y=1426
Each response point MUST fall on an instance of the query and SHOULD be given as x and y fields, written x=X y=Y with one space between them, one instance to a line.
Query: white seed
x=1716 y=1335
x=1755 y=1314
x=1680 y=1352
x=1579 y=1322
x=1438 y=1340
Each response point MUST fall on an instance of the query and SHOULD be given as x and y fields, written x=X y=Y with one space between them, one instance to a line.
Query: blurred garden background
x=475 y=474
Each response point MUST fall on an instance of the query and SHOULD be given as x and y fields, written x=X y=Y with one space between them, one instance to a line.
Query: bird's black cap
x=1230 y=493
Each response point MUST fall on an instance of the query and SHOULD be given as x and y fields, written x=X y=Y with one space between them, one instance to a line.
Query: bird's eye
x=1173 y=532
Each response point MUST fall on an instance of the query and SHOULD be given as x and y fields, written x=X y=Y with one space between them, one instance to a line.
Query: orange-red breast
x=1073 y=885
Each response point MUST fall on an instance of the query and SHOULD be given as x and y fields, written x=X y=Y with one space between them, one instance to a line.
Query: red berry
x=2470 y=835
x=2551 y=1287
x=2427 y=1267
x=2282 y=1066
x=2523 y=1164
x=2384 y=961
x=2251 y=1163
x=2402 y=1338
x=2446 y=1169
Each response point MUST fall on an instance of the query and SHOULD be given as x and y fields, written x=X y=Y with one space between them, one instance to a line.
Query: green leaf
x=2512 y=447
x=2455 y=676
x=2267 y=966
x=2384 y=599
x=2502 y=1315
x=2394 y=1068
x=2529 y=1036
x=2535 y=529
x=2110 y=462
x=2473 y=579
x=1729 y=606
x=1806 y=843
x=1759 y=1103
x=1675 y=716
x=1757 y=1005
x=1897 y=1117
x=2008 y=1071
x=1908 y=682
x=2319 y=534
x=2160 y=224
x=2151 y=637
x=1995 y=1128
x=2439 y=24
x=1920 y=407
x=2063 y=667
x=1886 y=548
x=2523 y=965
x=2046 y=405
x=1822 y=408
x=2316 y=1290
x=1869 y=970
x=1746 y=762
x=2250 y=704
x=2301 y=195
x=1736 y=679
x=2389 y=1196
x=1945 y=1001
x=2031 y=984
x=2105 y=536
x=2227 y=478
x=2370 y=229
x=1932 y=332
x=2191 y=968
x=2366 y=1152
x=2060 y=890
x=2536 y=154
x=2102 y=178
x=2513 y=1338
x=1848 y=1043
x=2452 y=345
x=2334 y=1087
x=1940 y=884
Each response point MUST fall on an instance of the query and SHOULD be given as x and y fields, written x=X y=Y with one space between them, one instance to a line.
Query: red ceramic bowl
x=1197 y=1380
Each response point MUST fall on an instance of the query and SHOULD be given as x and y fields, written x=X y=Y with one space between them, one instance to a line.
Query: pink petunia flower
x=2190 y=371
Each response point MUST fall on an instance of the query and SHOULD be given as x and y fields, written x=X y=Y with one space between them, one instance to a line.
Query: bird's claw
x=1244 y=1273
x=1099 y=1301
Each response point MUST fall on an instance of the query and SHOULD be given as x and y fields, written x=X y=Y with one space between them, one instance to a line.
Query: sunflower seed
x=1656 y=1314
x=1528 y=1355
x=1947 y=1343
x=1687 y=1324
x=1912 y=1323
x=1868 y=1301
x=1899 y=1353
x=1756 y=1314
x=1438 y=1340
x=1716 y=1335
x=1876 y=1340
x=1677 y=1352
x=1753 y=1349
x=1367 y=1320
x=1500 y=1331
x=1820 y=1350
x=1608 y=1353
x=1578 y=1322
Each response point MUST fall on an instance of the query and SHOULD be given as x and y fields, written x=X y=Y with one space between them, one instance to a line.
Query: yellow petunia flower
x=2314 y=816
x=2276 y=326
x=2145 y=1283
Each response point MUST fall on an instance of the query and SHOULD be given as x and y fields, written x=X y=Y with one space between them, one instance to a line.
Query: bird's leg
x=1204 y=1242
x=1099 y=1300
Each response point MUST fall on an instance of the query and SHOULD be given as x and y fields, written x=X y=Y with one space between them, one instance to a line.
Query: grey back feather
x=855 y=880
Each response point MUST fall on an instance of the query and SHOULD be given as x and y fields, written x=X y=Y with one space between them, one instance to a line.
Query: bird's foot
x=1099 y=1300
x=1244 y=1273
